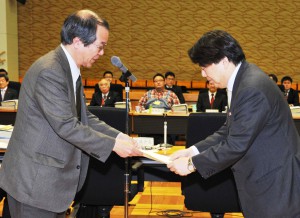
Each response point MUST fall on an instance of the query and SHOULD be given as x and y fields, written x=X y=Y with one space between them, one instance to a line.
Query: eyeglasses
x=169 y=78
x=99 y=47
x=157 y=81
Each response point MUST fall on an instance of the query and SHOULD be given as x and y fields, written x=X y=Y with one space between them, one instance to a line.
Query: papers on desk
x=151 y=154
x=6 y=128
x=295 y=109
x=5 y=134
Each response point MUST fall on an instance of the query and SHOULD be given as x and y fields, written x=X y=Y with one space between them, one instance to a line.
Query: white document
x=151 y=154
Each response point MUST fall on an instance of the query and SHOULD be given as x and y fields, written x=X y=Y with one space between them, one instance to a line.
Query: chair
x=104 y=185
x=218 y=193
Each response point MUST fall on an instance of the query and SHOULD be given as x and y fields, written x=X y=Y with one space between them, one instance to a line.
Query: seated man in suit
x=170 y=81
x=108 y=75
x=211 y=99
x=6 y=93
x=159 y=97
x=289 y=93
x=12 y=84
x=105 y=97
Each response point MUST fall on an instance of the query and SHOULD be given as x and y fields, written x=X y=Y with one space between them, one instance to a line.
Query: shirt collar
x=232 y=77
x=75 y=71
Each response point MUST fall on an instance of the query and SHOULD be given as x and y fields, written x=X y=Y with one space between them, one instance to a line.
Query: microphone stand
x=127 y=160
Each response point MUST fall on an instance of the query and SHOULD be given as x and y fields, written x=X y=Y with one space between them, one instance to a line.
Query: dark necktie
x=78 y=97
x=103 y=100
x=212 y=100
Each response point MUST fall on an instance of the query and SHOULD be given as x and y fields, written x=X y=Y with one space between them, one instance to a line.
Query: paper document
x=151 y=154
x=6 y=127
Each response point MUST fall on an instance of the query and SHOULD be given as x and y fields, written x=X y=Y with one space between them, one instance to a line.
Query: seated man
x=211 y=99
x=106 y=97
x=289 y=93
x=108 y=75
x=6 y=93
x=170 y=81
x=159 y=97
x=12 y=85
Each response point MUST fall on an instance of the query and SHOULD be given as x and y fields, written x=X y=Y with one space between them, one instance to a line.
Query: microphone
x=116 y=61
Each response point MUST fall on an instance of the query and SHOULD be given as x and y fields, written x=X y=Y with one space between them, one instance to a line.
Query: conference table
x=142 y=123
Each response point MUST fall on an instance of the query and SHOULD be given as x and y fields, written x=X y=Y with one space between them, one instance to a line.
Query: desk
x=7 y=116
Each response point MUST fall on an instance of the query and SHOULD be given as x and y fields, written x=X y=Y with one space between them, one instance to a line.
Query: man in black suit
x=108 y=75
x=105 y=97
x=12 y=84
x=170 y=81
x=259 y=140
x=5 y=92
x=290 y=94
x=212 y=99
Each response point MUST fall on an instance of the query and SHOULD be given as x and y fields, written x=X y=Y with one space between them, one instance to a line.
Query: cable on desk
x=174 y=213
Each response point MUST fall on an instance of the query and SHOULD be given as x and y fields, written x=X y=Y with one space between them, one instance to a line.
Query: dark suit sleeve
x=200 y=105
x=93 y=101
x=180 y=95
x=296 y=98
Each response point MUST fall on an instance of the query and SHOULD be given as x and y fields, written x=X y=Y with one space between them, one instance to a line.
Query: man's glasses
x=157 y=81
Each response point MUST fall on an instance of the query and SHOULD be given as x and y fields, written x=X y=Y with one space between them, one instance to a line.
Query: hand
x=180 y=166
x=182 y=153
x=129 y=139
x=126 y=148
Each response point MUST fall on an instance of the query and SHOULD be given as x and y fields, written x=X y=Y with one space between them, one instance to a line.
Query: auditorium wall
x=154 y=35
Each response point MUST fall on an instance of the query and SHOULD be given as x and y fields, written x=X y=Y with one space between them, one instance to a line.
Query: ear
x=77 y=43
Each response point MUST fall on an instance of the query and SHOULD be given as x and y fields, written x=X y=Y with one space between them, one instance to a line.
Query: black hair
x=286 y=78
x=108 y=72
x=213 y=46
x=81 y=24
x=274 y=77
x=169 y=73
x=158 y=74
x=4 y=71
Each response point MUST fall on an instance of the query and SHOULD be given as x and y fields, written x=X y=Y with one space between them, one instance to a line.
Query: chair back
x=104 y=183
x=218 y=193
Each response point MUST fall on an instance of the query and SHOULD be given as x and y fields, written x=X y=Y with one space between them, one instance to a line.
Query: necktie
x=286 y=93
x=212 y=100
x=1 y=97
x=78 y=97
x=103 y=100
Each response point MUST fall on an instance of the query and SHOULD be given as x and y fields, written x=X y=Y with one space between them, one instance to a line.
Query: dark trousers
x=21 y=210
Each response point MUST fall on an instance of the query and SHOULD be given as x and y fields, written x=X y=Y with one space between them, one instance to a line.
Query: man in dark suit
x=47 y=157
x=212 y=99
x=170 y=85
x=259 y=140
x=108 y=75
x=5 y=92
x=12 y=84
x=290 y=94
x=105 y=97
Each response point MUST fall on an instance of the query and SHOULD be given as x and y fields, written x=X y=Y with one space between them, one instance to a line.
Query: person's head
x=4 y=80
x=211 y=86
x=84 y=34
x=170 y=78
x=273 y=77
x=286 y=81
x=217 y=53
x=108 y=75
x=159 y=81
x=104 y=85
x=3 y=71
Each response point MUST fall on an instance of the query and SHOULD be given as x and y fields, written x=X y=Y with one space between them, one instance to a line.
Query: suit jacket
x=113 y=87
x=110 y=101
x=10 y=94
x=293 y=97
x=260 y=143
x=178 y=91
x=203 y=102
x=46 y=159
